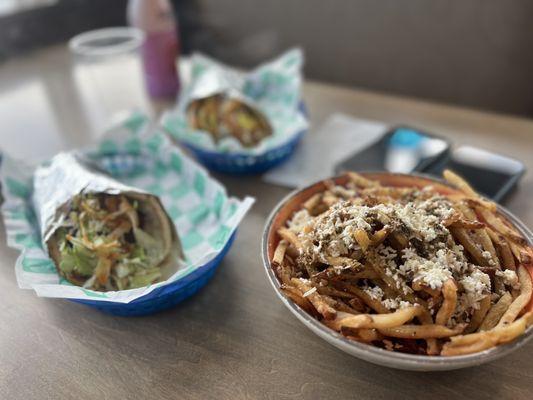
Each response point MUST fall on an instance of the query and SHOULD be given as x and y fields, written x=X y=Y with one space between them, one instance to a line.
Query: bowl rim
x=372 y=353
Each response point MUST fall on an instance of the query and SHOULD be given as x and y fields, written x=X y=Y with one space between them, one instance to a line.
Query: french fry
x=398 y=240
x=518 y=304
x=459 y=183
x=506 y=256
x=344 y=262
x=357 y=304
x=449 y=292
x=379 y=236
x=282 y=270
x=496 y=312
x=312 y=202
x=482 y=343
x=297 y=296
x=339 y=266
x=419 y=287
x=279 y=253
x=329 y=199
x=343 y=307
x=362 y=335
x=466 y=241
x=522 y=255
x=497 y=224
x=475 y=342
x=432 y=331
x=377 y=321
x=361 y=181
x=369 y=335
x=314 y=205
x=292 y=251
x=479 y=315
x=331 y=273
x=462 y=223
x=316 y=299
x=343 y=192
x=289 y=236
x=380 y=271
x=374 y=304
x=482 y=235
x=432 y=346
x=389 y=292
x=331 y=291
x=464 y=187
x=362 y=238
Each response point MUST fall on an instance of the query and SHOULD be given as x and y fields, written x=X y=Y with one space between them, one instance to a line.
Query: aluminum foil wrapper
x=214 y=81
x=219 y=82
x=56 y=183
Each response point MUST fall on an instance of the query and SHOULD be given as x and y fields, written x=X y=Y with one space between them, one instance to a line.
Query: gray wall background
x=476 y=53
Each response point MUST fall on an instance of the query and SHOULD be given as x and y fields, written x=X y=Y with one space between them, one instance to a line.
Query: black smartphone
x=406 y=150
x=491 y=174
x=402 y=149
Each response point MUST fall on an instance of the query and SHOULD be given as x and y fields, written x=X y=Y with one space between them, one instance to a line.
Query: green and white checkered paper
x=274 y=88
x=204 y=216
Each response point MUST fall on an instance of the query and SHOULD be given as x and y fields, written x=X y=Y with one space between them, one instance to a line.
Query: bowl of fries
x=405 y=271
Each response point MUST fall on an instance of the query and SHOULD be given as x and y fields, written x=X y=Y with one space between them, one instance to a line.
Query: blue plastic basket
x=166 y=296
x=246 y=164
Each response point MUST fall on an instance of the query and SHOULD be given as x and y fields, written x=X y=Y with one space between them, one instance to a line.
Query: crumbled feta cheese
x=395 y=304
x=299 y=220
x=432 y=274
x=427 y=260
x=487 y=256
x=509 y=278
x=476 y=286
x=375 y=293
x=418 y=221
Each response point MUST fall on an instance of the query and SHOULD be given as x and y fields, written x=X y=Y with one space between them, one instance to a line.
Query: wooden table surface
x=234 y=339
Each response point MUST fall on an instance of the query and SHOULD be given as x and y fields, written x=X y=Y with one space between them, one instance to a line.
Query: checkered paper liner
x=274 y=87
x=204 y=215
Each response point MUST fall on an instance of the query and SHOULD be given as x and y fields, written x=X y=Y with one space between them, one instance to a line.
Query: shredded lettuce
x=145 y=279
x=104 y=228
x=79 y=260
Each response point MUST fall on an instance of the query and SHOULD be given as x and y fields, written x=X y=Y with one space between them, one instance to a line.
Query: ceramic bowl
x=376 y=355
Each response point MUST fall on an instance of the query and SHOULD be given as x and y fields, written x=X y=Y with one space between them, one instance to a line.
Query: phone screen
x=491 y=174
x=402 y=150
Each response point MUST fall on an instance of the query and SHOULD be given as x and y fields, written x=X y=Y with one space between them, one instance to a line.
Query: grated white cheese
x=309 y=292
x=418 y=221
x=432 y=274
x=332 y=233
x=375 y=292
x=427 y=260
x=300 y=220
x=487 y=256
x=509 y=278
x=476 y=286
x=395 y=304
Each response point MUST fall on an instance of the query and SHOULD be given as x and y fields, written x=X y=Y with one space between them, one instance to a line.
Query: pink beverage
x=159 y=51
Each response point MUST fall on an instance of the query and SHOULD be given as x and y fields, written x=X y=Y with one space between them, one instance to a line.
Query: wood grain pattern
x=235 y=339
